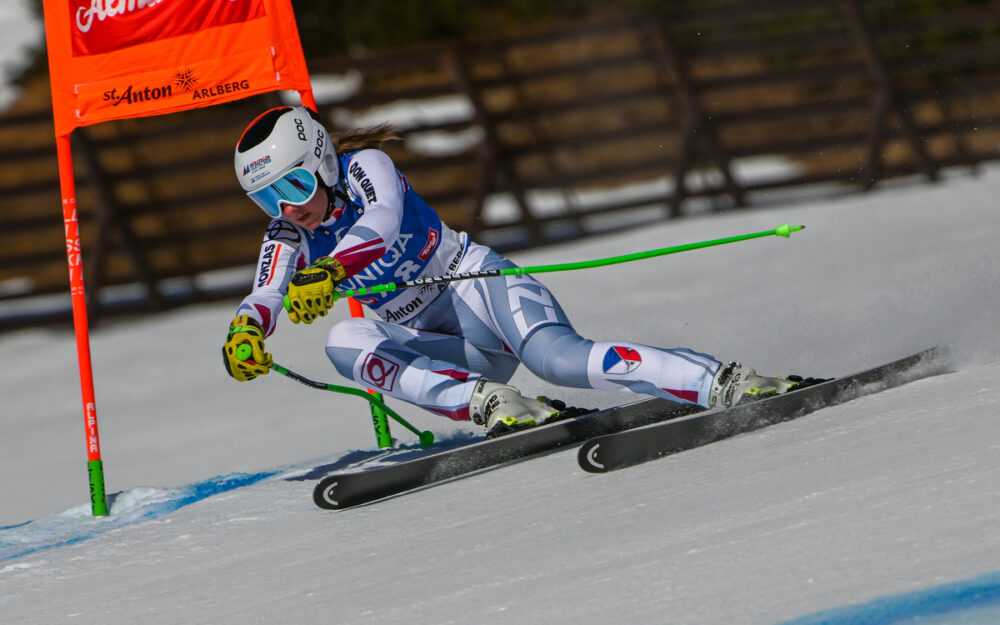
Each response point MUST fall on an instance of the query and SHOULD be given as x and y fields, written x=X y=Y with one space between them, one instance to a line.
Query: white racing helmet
x=280 y=155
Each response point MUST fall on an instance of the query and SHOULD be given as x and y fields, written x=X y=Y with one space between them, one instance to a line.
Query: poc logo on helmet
x=320 y=137
x=320 y=142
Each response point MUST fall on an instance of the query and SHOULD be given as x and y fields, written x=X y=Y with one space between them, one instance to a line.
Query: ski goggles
x=296 y=186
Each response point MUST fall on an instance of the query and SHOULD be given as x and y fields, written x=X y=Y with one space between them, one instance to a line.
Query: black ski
x=344 y=490
x=623 y=449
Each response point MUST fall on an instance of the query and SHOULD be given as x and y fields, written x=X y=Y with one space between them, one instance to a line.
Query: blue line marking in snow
x=128 y=508
x=975 y=601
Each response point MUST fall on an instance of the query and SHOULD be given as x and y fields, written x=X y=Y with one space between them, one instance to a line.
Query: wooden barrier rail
x=843 y=93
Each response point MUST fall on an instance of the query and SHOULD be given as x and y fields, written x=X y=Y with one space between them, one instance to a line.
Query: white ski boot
x=502 y=409
x=735 y=383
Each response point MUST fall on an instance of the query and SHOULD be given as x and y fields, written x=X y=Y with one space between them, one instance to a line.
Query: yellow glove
x=243 y=354
x=311 y=291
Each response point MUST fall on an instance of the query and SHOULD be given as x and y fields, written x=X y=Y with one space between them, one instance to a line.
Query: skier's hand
x=243 y=353
x=311 y=291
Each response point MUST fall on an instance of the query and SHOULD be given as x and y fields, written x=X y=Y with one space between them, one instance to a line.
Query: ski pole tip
x=427 y=438
x=785 y=230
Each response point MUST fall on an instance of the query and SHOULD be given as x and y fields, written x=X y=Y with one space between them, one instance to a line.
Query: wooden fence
x=530 y=139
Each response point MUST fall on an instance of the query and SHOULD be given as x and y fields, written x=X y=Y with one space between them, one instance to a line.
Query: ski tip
x=784 y=230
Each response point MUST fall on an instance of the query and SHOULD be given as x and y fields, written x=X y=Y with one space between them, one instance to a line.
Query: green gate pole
x=380 y=421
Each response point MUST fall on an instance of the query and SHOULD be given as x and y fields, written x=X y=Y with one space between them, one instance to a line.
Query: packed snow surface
x=884 y=507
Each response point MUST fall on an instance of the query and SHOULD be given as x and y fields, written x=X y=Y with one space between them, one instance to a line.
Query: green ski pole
x=782 y=231
x=426 y=437
x=243 y=352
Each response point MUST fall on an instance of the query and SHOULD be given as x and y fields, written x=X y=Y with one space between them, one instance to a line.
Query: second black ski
x=623 y=449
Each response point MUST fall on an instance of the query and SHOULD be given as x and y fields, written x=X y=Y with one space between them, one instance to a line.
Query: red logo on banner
x=101 y=26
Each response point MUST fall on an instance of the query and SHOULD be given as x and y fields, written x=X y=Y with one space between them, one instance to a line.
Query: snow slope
x=892 y=493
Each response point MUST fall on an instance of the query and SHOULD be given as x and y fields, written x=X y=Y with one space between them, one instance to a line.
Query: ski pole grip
x=244 y=352
x=287 y=303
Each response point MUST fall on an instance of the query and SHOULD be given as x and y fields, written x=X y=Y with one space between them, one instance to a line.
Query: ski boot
x=501 y=409
x=735 y=384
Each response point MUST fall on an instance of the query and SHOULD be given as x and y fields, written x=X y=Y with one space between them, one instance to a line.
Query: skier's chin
x=309 y=224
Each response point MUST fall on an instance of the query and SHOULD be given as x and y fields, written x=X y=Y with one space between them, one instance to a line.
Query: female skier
x=344 y=217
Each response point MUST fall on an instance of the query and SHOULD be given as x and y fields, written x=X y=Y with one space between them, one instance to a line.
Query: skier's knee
x=559 y=355
x=353 y=332
x=348 y=340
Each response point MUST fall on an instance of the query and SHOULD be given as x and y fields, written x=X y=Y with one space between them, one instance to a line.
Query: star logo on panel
x=620 y=360
x=185 y=79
